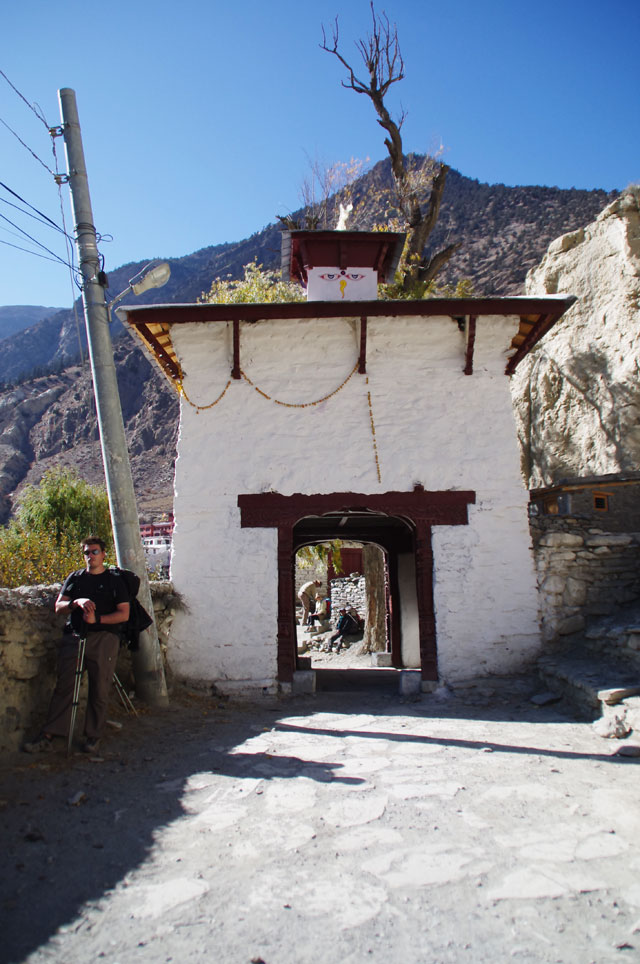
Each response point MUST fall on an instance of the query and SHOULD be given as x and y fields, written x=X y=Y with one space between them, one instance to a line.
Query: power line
x=38 y=216
x=33 y=153
x=36 y=254
x=37 y=110
x=32 y=239
x=43 y=218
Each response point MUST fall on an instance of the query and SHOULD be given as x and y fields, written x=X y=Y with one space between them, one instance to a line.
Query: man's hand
x=66 y=605
x=88 y=608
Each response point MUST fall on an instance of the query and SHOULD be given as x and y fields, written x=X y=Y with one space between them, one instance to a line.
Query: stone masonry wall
x=348 y=592
x=622 y=512
x=583 y=573
x=29 y=633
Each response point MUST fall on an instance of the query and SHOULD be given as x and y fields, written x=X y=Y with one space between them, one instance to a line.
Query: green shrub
x=42 y=544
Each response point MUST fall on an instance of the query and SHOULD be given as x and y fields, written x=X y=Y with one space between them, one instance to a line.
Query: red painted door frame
x=421 y=509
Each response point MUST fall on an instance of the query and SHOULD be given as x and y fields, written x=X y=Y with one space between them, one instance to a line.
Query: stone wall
x=620 y=501
x=29 y=633
x=348 y=592
x=584 y=574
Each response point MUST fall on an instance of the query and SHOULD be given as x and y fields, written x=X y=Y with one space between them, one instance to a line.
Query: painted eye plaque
x=342 y=284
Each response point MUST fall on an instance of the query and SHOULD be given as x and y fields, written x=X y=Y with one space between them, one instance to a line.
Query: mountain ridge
x=47 y=413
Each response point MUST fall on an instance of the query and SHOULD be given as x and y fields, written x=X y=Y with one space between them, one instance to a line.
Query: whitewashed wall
x=434 y=425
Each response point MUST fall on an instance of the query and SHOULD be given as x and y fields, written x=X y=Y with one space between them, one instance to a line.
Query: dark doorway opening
x=393 y=536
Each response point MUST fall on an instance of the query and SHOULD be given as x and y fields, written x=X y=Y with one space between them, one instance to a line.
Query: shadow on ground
x=74 y=828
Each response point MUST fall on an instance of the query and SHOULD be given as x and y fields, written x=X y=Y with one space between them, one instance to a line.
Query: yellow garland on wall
x=276 y=401
x=201 y=408
x=300 y=404
x=373 y=432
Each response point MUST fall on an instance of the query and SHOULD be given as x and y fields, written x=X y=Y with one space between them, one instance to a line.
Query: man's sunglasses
x=91 y=552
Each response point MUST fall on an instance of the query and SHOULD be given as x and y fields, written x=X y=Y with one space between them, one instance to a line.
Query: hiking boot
x=41 y=744
x=90 y=746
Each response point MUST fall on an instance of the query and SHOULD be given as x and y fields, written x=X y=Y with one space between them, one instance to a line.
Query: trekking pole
x=76 y=692
x=124 y=696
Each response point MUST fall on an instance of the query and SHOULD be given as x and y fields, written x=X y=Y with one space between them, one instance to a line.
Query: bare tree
x=382 y=60
x=327 y=188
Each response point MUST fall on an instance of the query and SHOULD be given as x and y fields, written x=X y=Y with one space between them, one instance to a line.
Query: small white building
x=157 y=550
x=384 y=422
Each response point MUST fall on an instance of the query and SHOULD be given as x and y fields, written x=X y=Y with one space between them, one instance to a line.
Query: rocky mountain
x=504 y=231
x=46 y=406
x=14 y=318
x=577 y=395
x=50 y=420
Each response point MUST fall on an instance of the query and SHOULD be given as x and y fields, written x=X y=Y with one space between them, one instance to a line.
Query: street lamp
x=151 y=276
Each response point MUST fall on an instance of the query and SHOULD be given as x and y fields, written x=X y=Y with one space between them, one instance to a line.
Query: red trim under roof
x=153 y=323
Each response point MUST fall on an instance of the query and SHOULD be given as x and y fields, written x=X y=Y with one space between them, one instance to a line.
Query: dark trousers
x=100 y=656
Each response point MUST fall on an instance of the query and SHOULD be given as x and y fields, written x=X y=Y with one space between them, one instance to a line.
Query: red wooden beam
x=471 y=340
x=271 y=509
x=548 y=307
x=362 y=364
x=235 y=371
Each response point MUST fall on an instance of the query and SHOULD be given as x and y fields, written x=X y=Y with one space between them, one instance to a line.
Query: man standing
x=305 y=596
x=97 y=603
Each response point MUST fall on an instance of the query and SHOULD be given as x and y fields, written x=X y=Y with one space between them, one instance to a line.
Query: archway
x=402 y=520
x=395 y=537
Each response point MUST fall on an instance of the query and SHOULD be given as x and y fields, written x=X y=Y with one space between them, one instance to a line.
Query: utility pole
x=147 y=662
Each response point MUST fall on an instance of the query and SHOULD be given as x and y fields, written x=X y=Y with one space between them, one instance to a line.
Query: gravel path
x=328 y=828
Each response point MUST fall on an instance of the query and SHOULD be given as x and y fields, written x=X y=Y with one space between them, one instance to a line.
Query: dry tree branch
x=382 y=59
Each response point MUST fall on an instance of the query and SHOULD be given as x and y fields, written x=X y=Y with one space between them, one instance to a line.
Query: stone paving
x=330 y=828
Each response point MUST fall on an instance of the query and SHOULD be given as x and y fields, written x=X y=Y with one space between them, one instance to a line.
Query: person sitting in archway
x=348 y=624
x=320 y=612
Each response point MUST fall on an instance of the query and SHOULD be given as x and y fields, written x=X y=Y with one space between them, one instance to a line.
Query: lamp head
x=154 y=278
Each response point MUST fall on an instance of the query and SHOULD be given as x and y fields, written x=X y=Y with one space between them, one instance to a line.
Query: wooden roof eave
x=153 y=323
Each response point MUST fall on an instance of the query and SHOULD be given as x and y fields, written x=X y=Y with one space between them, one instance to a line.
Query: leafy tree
x=42 y=543
x=36 y=558
x=383 y=65
x=257 y=286
x=323 y=552
x=63 y=503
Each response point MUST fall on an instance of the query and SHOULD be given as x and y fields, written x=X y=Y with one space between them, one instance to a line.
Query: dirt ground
x=474 y=826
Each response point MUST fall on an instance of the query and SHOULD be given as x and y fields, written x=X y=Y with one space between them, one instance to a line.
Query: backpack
x=139 y=619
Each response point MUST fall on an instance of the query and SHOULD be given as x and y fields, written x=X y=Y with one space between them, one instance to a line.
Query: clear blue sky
x=198 y=117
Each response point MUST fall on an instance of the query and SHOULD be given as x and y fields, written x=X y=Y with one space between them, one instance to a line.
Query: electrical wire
x=36 y=254
x=32 y=239
x=74 y=274
x=33 y=153
x=38 y=216
x=37 y=110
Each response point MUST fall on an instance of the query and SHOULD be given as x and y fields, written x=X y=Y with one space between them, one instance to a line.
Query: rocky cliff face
x=577 y=396
x=52 y=421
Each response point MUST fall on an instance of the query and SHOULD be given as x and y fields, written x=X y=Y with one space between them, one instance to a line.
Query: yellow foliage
x=37 y=558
